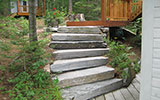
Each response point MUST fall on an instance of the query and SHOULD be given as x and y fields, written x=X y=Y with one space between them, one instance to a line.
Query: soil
x=130 y=42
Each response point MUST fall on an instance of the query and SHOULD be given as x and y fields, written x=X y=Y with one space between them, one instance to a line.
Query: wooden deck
x=114 y=13
x=130 y=93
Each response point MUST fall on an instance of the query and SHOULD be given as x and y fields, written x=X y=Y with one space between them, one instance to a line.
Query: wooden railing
x=25 y=10
x=123 y=10
x=136 y=9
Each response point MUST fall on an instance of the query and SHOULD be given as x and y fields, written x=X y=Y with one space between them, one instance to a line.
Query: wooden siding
x=156 y=52
x=151 y=51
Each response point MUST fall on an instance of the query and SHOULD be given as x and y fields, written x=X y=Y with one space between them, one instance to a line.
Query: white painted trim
x=147 y=50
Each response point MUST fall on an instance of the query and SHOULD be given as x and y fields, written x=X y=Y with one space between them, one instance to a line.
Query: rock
x=51 y=29
x=80 y=29
x=77 y=44
x=79 y=63
x=88 y=91
x=129 y=77
x=79 y=53
x=76 y=37
x=85 y=76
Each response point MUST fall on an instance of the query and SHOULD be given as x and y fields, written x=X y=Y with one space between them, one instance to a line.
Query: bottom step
x=88 y=91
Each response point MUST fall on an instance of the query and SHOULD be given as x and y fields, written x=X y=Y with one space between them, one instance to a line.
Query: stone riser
x=76 y=64
x=88 y=91
x=85 y=76
x=79 y=53
x=77 y=44
x=80 y=29
x=76 y=37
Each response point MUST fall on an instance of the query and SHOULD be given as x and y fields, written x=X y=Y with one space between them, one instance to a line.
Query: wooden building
x=21 y=7
x=114 y=13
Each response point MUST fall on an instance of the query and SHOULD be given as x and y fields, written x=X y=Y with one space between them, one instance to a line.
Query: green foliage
x=30 y=81
x=54 y=17
x=136 y=66
x=91 y=9
x=137 y=40
x=119 y=58
x=136 y=26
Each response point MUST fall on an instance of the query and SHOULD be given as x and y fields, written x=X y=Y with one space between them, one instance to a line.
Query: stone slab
x=51 y=29
x=80 y=29
x=77 y=44
x=79 y=53
x=85 y=76
x=76 y=37
x=79 y=63
x=88 y=91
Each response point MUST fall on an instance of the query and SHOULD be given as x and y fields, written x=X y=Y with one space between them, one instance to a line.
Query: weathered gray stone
x=85 y=76
x=77 y=44
x=105 y=30
x=80 y=63
x=88 y=91
x=51 y=29
x=79 y=53
x=78 y=37
x=80 y=29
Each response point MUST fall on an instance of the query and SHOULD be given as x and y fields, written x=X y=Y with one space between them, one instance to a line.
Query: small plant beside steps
x=119 y=59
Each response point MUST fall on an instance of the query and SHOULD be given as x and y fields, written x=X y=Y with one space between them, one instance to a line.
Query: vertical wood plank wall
x=123 y=10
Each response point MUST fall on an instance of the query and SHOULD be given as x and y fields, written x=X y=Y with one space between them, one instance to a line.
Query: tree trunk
x=70 y=7
x=32 y=20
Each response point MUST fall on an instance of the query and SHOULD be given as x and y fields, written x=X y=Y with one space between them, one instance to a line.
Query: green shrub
x=119 y=59
x=136 y=26
x=54 y=17
x=29 y=81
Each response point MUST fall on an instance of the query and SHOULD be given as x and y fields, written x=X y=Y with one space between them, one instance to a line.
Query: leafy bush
x=91 y=9
x=54 y=17
x=137 y=40
x=136 y=26
x=29 y=80
x=119 y=59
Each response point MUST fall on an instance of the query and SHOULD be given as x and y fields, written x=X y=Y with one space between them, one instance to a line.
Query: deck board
x=100 y=98
x=134 y=92
x=109 y=96
x=130 y=93
x=127 y=95
x=118 y=95
x=136 y=85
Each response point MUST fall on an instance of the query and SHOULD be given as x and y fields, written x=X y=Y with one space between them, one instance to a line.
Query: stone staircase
x=80 y=63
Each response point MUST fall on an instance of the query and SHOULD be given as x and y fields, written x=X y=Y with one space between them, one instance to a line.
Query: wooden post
x=129 y=9
x=17 y=6
x=103 y=10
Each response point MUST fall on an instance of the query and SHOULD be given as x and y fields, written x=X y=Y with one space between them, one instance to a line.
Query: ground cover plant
x=22 y=62
x=119 y=56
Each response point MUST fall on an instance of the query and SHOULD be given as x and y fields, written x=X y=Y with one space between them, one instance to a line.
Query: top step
x=80 y=29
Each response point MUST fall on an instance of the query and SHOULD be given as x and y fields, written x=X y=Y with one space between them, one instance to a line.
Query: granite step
x=77 y=44
x=76 y=37
x=79 y=53
x=80 y=29
x=85 y=76
x=88 y=91
x=79 y=63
